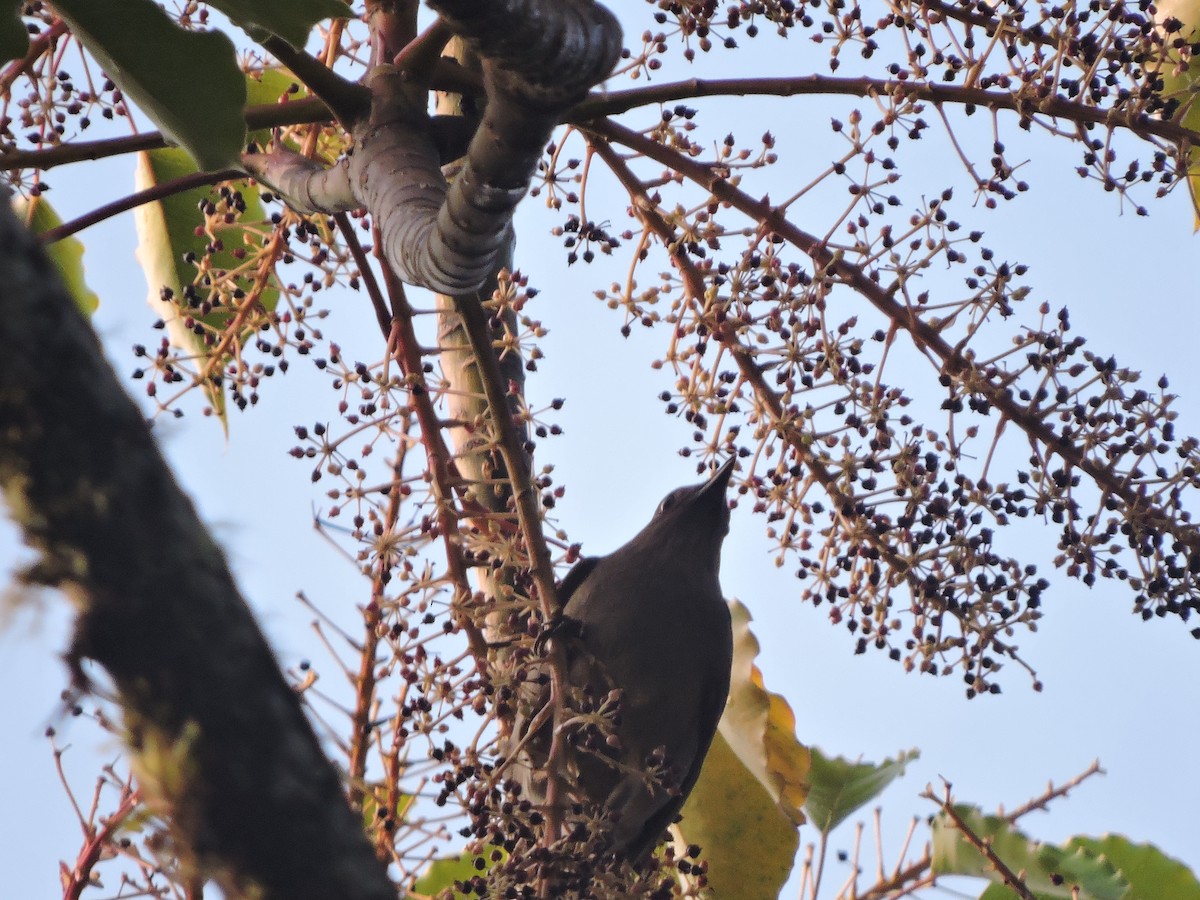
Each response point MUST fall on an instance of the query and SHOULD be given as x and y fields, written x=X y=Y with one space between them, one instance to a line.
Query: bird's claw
x=558 y=626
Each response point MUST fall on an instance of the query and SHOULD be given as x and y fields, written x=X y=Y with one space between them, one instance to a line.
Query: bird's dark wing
x=714 y=705
x=647 y=839
x=575 y=578
x=715 y=693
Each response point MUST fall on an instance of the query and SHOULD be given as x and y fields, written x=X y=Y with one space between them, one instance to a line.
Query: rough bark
x=219 y=740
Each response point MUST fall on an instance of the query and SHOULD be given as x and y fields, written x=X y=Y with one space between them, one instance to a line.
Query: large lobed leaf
x=1149 y=871
x=188 y=82
x=1047 y=870
x=168 y=238
x=745 y=807
x=1181 y=81
x=760 y=727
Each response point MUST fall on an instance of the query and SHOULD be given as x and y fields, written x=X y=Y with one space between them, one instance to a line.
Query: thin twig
x=983 y=845
x=269 y=115
x=149 y=195
x=98 y=840
x=1053 y=793
x=443 y=473
x=475 y=324
x=365 y=272
x=346 y=99
x=753 y=373
x=422 y=52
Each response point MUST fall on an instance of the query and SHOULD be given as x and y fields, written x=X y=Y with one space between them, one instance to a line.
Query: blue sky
x=1116 y=689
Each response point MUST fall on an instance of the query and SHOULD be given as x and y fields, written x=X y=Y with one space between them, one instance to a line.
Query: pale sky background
x=1116 y=688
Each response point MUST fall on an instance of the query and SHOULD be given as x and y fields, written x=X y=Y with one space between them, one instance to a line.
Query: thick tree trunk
x=219 y=740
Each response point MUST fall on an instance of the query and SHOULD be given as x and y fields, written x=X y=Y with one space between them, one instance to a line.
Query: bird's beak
x=719 y=479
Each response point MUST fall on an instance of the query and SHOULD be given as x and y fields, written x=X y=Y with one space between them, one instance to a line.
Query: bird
x=647 y=624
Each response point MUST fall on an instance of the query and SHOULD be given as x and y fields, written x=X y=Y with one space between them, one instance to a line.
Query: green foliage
x=268 y=86
x=289 y=19
x=1181 y=80
x=1048 y=870
x=187 y=82
x=760 y=727
x=177 y=230
x=168 y=238
x=1107 y=868
x=1150 y=872
x=66 y=254
x=371 y=810
x=441 y=874
x=839 y=787
x=745 y=807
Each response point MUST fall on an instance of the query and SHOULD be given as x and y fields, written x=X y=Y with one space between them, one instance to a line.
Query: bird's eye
x=668 y=501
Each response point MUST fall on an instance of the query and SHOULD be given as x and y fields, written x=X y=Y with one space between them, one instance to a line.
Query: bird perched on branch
x=648 y=643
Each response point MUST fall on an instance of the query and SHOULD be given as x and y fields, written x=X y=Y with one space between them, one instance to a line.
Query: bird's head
x=692 y=521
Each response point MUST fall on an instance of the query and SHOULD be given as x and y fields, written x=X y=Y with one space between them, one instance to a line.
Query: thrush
x=645 y=628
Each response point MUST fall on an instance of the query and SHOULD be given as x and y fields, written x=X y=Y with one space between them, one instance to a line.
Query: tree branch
x=269 y=115
x=1019 y=102
x=1140 y=510
x=347 y=100
x=308 y=185
x=802 y=444
x=149 y=195
x=983 y=845
x=447 y=238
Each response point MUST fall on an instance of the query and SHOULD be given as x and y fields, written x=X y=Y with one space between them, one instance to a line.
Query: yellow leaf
x=66 y=253
x=760 y=727
x=1181 y=79
x=745 y=808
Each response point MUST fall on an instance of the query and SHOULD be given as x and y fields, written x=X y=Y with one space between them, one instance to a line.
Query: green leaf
x=1139 y=871
x=290 y=19
x=1047 y=870
x=187 y=82
x=167 y=238
x=370 y=808
x=760 y=727
x=14 y=38
x=268 y=86
x=66 y=254
x=1150 y=872
x=441 y=874
x=1000 y=892
x=839 y=787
